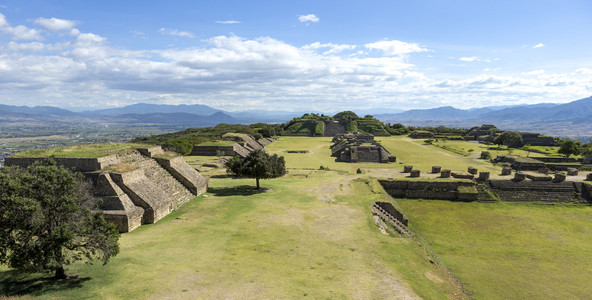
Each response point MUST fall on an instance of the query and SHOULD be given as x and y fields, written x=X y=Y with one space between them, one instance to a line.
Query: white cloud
x=469 y=59
x=3 y=20
x=395 y=47
x=539 y=45
x=332 y=48
x=176 y=32
x=54 y=24
x=585 y=71
x=21 y=32
x=308 y=18
x=228 y=22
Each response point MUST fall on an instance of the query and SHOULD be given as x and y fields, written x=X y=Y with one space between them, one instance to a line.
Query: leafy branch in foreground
x=49 y=219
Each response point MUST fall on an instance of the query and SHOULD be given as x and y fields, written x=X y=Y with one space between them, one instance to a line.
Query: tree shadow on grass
x=242 y=190
x=15 y=283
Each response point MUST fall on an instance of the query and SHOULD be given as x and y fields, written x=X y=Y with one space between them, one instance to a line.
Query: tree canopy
x=512 y=139
x=49 y=219
x=569 y=147
x=259 y=165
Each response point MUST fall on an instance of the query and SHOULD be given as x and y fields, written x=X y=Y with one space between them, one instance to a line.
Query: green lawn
x=310 y=237
x=508 y=250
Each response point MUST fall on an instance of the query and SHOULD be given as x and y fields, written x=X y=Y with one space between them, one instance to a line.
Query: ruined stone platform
x=137 y=186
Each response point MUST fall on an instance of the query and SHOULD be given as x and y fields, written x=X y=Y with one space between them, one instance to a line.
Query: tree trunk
x=257 y=179
x=60 y=273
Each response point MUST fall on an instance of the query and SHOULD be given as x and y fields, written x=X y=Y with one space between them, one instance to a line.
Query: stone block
x=445 y=173
x=559 y=177
x=572 y=171
x=519 y=176
x=462 y=175
x=415 y=173
x=483 y=176
x=589 y=177
x=436 y=169
x=506 y=171
x=472 y=170
x=544 y=171
x=407 y=169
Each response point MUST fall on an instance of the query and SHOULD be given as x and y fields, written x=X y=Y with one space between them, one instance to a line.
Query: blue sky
x=295 y=55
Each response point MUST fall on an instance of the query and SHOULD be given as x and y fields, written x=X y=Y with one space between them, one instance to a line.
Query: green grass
x=217 y=143
x=510 y=251
x=85 y=150
x=310 y=237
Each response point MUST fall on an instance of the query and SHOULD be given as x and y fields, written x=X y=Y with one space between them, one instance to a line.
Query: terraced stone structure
x=231 y=144
x=137 y=186
x=359 y=147
x=524 y=190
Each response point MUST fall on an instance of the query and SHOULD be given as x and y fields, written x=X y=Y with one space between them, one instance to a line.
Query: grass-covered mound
x=81 y=151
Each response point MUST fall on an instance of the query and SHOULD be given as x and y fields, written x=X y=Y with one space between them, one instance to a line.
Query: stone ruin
x=521 y=163
x=137 y=186
x=480 y=133
x=359 y=147
x=244 y=144
x=420 y=134
x=387 y=212
x=519 y=189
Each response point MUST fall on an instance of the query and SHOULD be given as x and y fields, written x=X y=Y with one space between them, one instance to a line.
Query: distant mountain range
x=550 y=118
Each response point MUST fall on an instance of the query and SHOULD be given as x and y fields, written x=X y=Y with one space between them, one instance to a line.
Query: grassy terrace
x=78 y=151
x=312 y=236
x=218 y=143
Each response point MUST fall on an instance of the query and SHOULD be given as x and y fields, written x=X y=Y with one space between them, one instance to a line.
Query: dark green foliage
x=258 y=165
x=183 y=147
x=200 y=135
x=428 y=141
x=346 y=116
x=485 y=155
x=49 y=219
x=319 y=129
x=258 y=136
x=512 y=139
x=352 y=126
x=570 y=147
x=396 y=129
x=371 y=126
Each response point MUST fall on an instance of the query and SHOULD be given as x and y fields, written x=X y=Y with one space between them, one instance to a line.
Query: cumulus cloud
x=19 y=32
x=308 y=18
x=176 y=32
x=3 y=20
x=54 y=24
x=228 y=22
x=469 y=59
x=395 y=47
x=260 y=71
x=332 y=48
x=539 y=45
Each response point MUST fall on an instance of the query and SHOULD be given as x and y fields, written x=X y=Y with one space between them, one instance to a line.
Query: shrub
x=485 y=155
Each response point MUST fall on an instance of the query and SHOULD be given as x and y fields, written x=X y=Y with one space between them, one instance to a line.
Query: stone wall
x=188 y=176
x=537 y=191
x=417 y=189
x=333 y=128
x=145 y=193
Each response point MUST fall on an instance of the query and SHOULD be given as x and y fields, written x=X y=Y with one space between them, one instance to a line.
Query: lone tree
x=49 y=219
x=258 y=165
x=569 y=147
x=512 y=139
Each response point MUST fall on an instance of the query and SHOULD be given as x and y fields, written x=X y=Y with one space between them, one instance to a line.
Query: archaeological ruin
x=231 y=144
x=359 y=147
x=137 y=186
